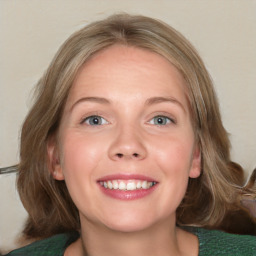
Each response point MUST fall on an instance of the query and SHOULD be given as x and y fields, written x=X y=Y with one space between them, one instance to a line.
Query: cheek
x=174 y=155
x=175 y=160
x=80 y=154
x=79 y=160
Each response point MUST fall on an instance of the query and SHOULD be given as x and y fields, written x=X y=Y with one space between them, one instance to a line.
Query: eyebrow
x=155 y=100
x=150 y=101
x=90 y=99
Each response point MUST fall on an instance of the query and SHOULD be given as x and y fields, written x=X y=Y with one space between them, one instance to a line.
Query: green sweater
x=211 y=243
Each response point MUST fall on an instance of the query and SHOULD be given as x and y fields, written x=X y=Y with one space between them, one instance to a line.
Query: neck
x=156 y=240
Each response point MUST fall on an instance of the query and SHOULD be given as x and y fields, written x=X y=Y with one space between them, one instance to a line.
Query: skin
x=136 y=85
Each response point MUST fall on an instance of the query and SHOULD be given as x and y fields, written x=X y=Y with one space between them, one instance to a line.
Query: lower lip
x=127 y=194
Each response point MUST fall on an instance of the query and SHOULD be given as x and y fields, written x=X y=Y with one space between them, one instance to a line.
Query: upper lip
x=126 y=177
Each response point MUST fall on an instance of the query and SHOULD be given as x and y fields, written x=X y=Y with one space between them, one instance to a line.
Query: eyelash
x=167 y=120
x=94 y=117
x=99 y=120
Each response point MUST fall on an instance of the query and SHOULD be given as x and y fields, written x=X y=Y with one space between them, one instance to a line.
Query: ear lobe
x=195 y=169
x=53 y=160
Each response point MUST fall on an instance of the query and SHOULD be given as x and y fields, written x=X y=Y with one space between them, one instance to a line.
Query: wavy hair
x=47 y=200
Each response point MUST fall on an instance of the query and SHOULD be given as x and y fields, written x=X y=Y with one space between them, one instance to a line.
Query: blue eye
x=161 y=120
x=95 y=120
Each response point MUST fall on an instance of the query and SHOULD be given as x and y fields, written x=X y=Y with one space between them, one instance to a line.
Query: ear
x=54 y=160
x=195 y=169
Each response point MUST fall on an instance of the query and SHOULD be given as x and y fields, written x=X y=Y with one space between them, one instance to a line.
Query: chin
x=130 y=222
x=128 y=226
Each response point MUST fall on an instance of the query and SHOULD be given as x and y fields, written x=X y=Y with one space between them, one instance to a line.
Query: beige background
x=223 y=31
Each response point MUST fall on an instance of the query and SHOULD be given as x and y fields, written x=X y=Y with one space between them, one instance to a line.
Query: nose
x=127 y=144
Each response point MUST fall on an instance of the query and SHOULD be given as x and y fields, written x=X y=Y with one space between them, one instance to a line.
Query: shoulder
x=214 y=242
x=54 y=245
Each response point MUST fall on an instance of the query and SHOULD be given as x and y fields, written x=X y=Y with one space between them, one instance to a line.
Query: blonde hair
x=47 y=201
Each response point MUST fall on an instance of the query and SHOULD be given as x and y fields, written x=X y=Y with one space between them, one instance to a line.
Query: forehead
x=131 y=57
x=129 y=70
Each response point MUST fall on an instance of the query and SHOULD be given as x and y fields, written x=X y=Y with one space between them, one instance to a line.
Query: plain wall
x=224 y=32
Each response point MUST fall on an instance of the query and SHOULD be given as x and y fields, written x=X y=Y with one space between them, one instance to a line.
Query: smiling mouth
x=127 y=185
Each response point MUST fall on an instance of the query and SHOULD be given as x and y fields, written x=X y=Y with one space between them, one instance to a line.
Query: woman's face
x=127 y=146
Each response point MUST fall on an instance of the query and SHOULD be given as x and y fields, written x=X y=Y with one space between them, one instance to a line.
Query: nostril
x=120 y=155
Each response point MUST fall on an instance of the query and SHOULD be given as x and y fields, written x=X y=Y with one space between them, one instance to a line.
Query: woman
x=124 y=148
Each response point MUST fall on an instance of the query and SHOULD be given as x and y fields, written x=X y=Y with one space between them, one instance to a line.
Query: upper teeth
x=127 y=184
